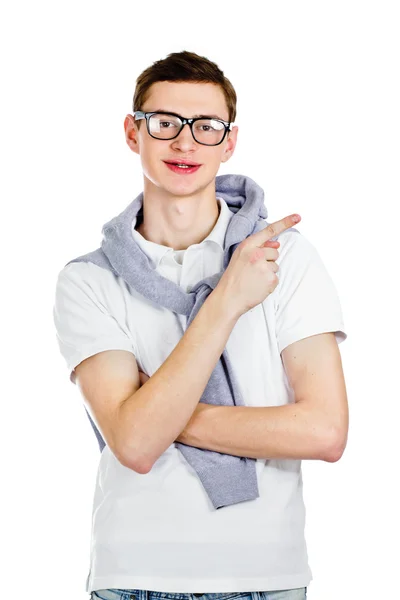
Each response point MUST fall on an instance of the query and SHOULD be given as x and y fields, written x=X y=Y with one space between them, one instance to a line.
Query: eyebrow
x=171 y=112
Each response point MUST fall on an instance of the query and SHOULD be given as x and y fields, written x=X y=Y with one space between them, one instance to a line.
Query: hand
x=251 y=274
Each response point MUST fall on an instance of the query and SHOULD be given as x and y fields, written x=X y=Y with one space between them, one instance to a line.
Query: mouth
x=183 y=167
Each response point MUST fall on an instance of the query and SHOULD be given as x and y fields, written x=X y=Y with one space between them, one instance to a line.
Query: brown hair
x=184 y=66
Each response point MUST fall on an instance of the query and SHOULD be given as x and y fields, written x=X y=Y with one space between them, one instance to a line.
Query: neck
x=178 y=221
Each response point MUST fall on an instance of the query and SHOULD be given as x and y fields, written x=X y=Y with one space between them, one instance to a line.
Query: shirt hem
x=295 y=336
x=206 y=586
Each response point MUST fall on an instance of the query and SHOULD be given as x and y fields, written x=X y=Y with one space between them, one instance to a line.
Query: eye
x=209 y=125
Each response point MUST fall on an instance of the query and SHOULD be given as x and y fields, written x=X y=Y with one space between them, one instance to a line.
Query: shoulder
x=86 y=282
x=294 y=246
x=300 y=264
x=85 y=274
x=80 y=270
x=293 y=238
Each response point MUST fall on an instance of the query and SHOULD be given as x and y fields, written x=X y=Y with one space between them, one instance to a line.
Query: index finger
x=274 y=229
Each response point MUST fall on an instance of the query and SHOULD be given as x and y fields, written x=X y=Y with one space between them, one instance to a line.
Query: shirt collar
x=156 y=252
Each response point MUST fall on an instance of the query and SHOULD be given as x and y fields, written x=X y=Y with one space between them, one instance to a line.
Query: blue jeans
x=116 y=594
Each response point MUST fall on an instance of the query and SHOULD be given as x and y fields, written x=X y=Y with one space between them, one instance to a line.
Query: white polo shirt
x=158 y=531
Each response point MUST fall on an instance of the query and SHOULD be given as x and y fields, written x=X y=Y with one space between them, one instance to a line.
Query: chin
x=181 y=185
x=183 y=188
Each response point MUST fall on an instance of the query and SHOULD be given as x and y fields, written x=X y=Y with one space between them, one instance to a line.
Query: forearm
x=292 y=431
x=152 y=418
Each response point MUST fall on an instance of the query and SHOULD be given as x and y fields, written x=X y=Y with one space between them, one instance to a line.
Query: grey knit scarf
x=227 y=479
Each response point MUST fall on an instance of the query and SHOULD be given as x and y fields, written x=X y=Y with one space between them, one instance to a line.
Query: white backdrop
x=319 y=129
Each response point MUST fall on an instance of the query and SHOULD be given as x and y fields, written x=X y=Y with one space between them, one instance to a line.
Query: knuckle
x=271 y=254
x=271 y=277
x=243 y=246
x=274 y=277
x=274 y=267
x=256 y=254
x=272 y=230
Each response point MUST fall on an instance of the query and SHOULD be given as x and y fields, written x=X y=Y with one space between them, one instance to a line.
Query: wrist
x=223 y=304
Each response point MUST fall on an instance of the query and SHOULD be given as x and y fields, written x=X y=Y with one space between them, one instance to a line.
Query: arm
x=314 y=427
x=139 y=423
x=151 y=419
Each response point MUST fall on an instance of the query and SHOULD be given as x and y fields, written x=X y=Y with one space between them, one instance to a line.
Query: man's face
x=186 y=99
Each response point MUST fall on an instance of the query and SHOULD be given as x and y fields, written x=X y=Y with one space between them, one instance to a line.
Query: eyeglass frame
x=139 y=114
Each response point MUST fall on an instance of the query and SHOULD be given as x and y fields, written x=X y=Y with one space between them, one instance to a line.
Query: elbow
x=135 y=461
x=139 y=467
x=333 y=445
x=130 y=453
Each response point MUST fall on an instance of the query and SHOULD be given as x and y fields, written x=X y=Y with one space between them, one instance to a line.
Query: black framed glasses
x=167 y=126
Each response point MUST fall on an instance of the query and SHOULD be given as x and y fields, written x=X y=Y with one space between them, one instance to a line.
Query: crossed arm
x=315 y=426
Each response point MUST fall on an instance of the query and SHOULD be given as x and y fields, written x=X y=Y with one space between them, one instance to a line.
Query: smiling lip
x=182 y=162
x=191 y=168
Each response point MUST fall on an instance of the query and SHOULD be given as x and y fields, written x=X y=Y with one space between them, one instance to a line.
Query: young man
x=199 y=487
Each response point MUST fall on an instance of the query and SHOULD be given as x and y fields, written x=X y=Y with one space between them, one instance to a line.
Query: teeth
x=183 y=166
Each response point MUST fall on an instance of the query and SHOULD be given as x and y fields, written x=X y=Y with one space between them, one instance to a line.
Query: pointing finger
x=274 y=229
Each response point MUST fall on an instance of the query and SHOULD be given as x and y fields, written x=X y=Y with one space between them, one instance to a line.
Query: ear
x=230 y=144
x=131 y=133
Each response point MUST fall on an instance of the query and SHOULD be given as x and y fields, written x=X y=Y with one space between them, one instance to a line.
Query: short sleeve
x=306 y=300
x=83 y=324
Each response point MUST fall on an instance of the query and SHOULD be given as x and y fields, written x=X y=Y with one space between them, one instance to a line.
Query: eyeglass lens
x=205 y=131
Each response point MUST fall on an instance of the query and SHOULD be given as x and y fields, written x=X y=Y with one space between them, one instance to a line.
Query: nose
x=185 y=140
